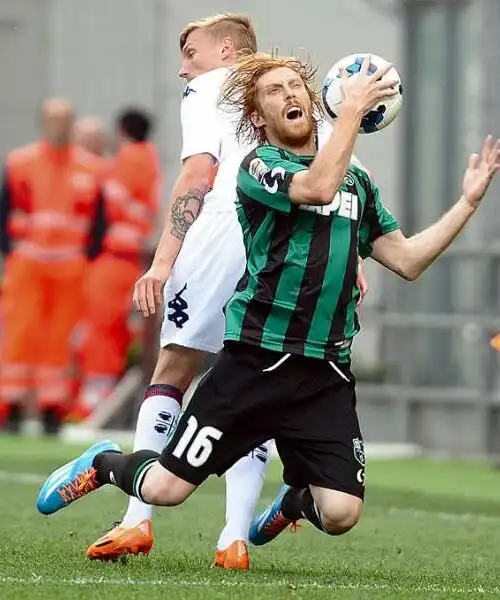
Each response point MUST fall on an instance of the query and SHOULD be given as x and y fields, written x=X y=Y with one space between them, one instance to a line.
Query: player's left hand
x=362 y=281
x=147 y=296
x=481 y=171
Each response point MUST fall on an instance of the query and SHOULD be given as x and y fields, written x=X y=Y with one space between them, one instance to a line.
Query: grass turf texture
x=430 y=530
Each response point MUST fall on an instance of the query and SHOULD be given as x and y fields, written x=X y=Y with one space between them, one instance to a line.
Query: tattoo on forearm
x=185 y=209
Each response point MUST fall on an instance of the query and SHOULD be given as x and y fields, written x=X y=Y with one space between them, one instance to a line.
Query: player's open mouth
x=293 y=113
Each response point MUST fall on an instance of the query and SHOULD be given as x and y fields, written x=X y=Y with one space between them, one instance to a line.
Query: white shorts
x=210 y=264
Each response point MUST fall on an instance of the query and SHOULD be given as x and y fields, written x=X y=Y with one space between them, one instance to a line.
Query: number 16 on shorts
x=195 y=443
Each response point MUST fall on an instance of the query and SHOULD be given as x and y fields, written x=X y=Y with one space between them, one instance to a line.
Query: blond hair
x=236 y=26
x=239 y=93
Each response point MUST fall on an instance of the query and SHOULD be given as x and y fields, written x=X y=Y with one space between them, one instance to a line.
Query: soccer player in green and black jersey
x=284 y=372
x=299 y=291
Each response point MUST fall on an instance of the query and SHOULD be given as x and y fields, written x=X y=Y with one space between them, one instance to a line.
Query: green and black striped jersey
x=299 y=292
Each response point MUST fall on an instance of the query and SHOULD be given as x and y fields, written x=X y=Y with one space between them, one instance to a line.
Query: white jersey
x=209 y=129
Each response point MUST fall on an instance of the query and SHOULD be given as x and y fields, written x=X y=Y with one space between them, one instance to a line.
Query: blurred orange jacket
x=132 y=198
x=51 y=221
x=132 y=202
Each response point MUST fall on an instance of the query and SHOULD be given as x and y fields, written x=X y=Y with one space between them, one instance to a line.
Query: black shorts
x=252 y=395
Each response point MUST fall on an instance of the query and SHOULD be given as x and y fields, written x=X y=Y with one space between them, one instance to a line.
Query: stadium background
x=429 y=380
x=429 y=377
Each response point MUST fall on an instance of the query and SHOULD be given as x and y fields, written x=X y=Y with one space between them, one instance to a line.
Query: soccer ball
x=380 y=115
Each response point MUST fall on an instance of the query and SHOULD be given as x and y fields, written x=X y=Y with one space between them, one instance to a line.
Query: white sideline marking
x=40 y=580
x=34 y=479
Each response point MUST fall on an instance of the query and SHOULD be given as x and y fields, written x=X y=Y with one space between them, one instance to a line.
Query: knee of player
x=162 y=488
x=340 y=513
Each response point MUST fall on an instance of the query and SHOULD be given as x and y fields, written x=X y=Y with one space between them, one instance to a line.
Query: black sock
x=291 y=506
x=126 y=471
x=298 y=504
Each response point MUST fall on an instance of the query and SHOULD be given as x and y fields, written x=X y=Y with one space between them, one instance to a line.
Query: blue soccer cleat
x=72 y=481
x=271 y=522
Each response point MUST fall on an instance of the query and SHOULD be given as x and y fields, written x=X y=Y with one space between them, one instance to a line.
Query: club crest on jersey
x=258 y=169
x=348 y=180
x=359 y=450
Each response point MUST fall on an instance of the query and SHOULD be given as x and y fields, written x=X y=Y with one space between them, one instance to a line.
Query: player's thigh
x=223 y=420
x=321 y=444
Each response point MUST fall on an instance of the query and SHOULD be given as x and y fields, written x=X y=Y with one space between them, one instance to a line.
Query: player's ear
x=257 y=119
x=227 y=49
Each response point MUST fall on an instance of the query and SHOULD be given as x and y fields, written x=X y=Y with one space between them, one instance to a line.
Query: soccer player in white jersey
x=200 y=258
x=198 y=262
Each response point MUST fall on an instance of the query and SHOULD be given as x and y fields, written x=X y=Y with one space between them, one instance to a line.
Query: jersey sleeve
x=265 y=176
x=200 y=121
x=377 y=220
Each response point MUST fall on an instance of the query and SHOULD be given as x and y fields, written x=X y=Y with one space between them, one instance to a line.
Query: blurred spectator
x=51 y=221
x=131 y=194
x=89 y=134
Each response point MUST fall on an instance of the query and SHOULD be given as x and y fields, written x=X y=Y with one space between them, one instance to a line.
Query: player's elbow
x=410 y=275
x=319 y=192
x=408 y=267
x=399 y=255
x=310 y=189
x=314 y=195
x=324 y=196
x=197 y=181
x=323 y=190
x=198 y=172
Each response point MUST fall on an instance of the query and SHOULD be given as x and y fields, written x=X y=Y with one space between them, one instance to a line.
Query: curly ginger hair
x=239 y=93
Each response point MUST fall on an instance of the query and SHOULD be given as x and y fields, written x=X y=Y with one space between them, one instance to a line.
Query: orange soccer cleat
x=234 y=557
x=121 y=541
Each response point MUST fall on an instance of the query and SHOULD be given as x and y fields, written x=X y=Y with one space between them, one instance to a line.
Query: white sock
x=244 y=481
x=156 y=421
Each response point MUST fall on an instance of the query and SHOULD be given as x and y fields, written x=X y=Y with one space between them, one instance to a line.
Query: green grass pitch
x=429 y=530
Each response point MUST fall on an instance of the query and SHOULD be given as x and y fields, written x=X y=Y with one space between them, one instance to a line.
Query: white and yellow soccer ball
x=381 y=114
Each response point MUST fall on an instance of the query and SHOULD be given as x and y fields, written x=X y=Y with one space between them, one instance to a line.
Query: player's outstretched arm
x=410 y=257
x=186 y=202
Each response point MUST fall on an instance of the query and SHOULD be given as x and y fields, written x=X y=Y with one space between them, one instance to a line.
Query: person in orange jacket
x=131 y=194
x=89 y=134
x=57 y=188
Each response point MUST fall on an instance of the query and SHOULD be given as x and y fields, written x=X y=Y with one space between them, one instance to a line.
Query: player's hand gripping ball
x=381 y=114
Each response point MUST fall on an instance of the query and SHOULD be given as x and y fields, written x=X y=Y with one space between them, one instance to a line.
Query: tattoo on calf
x=185 y=209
